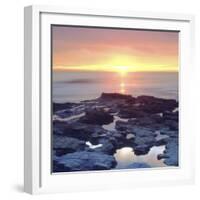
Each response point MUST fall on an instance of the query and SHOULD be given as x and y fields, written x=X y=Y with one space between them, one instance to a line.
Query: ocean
x=78 y=86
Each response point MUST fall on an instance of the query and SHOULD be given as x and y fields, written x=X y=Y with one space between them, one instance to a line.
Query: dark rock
x=57 y=167
x=96 y=116
x=144 y=139
x=144 y=99
x=141 y=149
x=110 y=142
x=107 y=147
x=170 y=116
x=141 y=131
x=171 y=134
x=137 y=165
x=150 y=104
x=147 y=140
x=122 y=126
x=101 y=166
x=173 y=125
x=131 y=112
x=156 y=118
x=62 y=106
x=146 y=116
x=153 y=122
x=172 y=152
x=95 y=137
x=162 y=156
x=63 y=145
x=161 y=142
x=84 y=161
x=170 y=155
x=64 y=113
x=116 y=96
x=77 y=130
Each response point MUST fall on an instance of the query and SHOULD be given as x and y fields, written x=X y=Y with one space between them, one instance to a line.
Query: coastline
x=83 y=140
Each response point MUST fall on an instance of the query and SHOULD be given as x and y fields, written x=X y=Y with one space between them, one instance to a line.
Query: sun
x=123 y=70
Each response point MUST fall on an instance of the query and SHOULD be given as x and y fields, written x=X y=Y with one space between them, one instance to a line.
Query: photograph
x=114 y=98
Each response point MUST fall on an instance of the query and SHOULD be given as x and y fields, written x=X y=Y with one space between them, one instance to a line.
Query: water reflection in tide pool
x=126 y=156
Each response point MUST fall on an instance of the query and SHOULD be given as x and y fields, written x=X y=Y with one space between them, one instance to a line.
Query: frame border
x=32 y=89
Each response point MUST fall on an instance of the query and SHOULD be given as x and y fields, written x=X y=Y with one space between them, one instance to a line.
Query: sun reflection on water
x=122 y=71
x=126 y=156
x=122 y=87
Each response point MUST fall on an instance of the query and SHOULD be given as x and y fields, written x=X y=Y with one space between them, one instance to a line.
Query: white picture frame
x=37 y=137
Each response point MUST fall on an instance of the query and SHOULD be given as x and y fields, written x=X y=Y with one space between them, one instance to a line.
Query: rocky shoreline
x=83 y=138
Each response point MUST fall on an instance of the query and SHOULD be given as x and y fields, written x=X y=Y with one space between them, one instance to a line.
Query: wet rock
x=63 y=145
x=171 y=116
x=170 y=154
x=64 y=113
x=161 y=142
x=150 y=104
x=140 y=131
x=84 y=161
x=141 y=149
x=152 y=122
x=62 y=106
x=173 y=125
x=96 y=116
x=149 y=123
x=107 y=147
x=131 y=112
x=144 y=99
x=116 y=96
x=171 y=134
x=110 y=142
x=71 y=114
x=162 y=156
x=144 y=139
x=148 y=140
x=137 y=165
x=145 y=116
x=77 y=130
x=157 y=118
x=122 y=126
x=57 y=167
x=59 y=127
x=130 y=136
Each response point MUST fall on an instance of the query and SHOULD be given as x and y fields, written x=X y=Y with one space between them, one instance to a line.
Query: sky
x=122 y=50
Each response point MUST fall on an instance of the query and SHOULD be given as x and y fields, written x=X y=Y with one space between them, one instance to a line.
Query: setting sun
x=122 y=70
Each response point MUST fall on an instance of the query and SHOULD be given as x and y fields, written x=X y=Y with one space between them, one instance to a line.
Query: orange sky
x=100 y=49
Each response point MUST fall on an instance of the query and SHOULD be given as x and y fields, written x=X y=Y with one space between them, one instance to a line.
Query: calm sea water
x=77 y=86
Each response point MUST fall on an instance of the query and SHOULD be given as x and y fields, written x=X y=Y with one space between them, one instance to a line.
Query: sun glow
x=123 y=70
x=112 y=50
x=122 y=84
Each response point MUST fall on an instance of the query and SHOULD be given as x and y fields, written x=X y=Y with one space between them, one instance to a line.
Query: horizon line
x=113 y=71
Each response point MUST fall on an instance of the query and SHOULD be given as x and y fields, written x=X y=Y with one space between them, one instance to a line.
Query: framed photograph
x=107 y=101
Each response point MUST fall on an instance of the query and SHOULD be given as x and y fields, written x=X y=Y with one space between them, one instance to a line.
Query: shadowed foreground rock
x=137 y=165
x=77 y=130
x=83 y=161
x=96 y=116
x=63 y=145
x=61 y=106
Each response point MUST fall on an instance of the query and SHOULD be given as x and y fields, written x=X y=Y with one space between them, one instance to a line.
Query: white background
x=11 y=99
